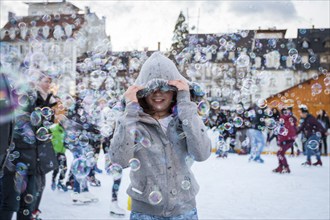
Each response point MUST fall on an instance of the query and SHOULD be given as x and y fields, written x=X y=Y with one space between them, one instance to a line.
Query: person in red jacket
x=287 y=133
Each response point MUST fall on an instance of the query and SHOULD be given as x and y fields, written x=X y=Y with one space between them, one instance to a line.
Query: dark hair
x=304 y=110
x=44 y=76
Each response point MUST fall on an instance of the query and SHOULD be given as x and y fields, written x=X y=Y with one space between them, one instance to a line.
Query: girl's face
x=159 y=101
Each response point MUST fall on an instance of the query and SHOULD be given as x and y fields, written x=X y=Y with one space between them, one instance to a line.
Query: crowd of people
x=250 y=130
x=161 y=109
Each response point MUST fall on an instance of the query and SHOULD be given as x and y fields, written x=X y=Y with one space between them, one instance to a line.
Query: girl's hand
x=180 y=84
x=130 y=94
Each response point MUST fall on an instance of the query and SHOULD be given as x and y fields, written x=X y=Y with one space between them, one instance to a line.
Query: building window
x=220 y=55
x=272 y=82
x=304 y=59
x=273 y=59
x=305 y=44
x=327 y=44
x=324 y=59
x=231 y=55
x=289 y=81
x=257 y=61
x=288 y=61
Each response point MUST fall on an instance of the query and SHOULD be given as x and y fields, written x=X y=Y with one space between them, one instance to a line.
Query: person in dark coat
x=45 y=102
x=323 y=118
x=313 y=131
x=18 y=183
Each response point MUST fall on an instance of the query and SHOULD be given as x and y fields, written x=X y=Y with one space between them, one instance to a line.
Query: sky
x=134 y=25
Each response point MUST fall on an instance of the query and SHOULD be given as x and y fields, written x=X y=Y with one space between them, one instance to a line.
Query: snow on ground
x=231 y=188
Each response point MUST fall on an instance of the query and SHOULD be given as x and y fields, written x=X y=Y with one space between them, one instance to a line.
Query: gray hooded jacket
x=164 y=156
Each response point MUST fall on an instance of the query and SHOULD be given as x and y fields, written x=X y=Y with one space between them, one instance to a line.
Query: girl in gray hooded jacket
x=159 y=135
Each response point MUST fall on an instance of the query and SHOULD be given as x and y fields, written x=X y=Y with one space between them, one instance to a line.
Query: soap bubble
x=42 y=134
x=116 y=171
x=185 y=184
x=155 y=197
x=313 y=144
x=135 y=164
x=203 y=108
x=316 y=88
x=79 y=168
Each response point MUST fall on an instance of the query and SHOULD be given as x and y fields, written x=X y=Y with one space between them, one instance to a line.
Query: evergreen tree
x=180 y=35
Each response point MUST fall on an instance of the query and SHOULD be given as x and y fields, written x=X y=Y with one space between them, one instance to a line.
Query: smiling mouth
x=158 y=100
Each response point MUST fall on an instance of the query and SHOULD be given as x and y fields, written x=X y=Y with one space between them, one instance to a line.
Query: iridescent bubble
x=16 y=154
x=273 y=104
x=155 y=197
x=20 y=183
x=272 y=42
x=197 y=90
x=262 y=103
x=282 y=131
x=47 y=112
x=11 y=157
x=83 y=140
x=135 y=164
x=243 y=60
x=228 y=126
x=307 y=65
x=239 y=109
x=26 y=212
x=145 y=142
x=312 y=59
x=22 y=25
x=316 y=88
x=241 y=74
x=79 y=168
x=185 y=184
x=203 y=108
x=35 y=118
x=189 y=160
x=238 y=122
x=327 y=81
x=222 y=41
x=23 y=100
x=42 y=134
x=293 y=53
x=215 y=105
x=270 y=123
x=46 y=18
x=21 y=168
x=313 y=144
x=28 y=199
x=116 y=171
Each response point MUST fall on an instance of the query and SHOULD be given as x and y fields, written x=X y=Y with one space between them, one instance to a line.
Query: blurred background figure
x=323 y=118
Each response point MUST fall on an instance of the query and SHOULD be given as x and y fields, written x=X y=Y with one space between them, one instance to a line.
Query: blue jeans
x=190 y=215
x=310 y=151
x=258 y=142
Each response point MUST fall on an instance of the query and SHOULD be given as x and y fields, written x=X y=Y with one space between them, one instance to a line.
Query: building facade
x=50 y=39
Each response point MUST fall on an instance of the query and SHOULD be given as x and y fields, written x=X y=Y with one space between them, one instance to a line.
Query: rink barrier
x=269 y=152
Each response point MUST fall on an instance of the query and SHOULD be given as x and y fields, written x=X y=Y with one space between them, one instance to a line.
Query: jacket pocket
x=137 y=189
x=142 y=190
x=187 y=187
